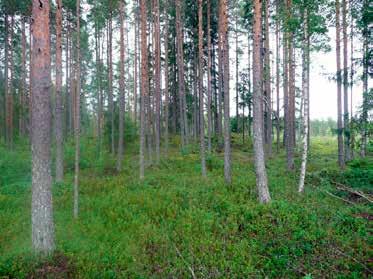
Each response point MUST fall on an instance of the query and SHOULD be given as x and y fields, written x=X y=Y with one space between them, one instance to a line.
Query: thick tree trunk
x=41 y=207
x=341 y=159
x=260 y=170
x=77 y=112
x=305 y=89
x=122 y=100
x=223 y=33
x=157 y=80
x=59 y=102
x=346 y=117
x=200 y=88
x=144 y=84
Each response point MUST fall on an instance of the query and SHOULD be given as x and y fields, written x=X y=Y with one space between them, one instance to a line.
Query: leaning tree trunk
x=77 y=112
x=41 y=207
x=305 y=89
x=59 y=102
x=144 y=84
x=341 y=160
x=122 y=100
x=260 y=170
x=200 y=88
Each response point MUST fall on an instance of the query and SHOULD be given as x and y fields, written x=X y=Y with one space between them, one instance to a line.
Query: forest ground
x=176 y=224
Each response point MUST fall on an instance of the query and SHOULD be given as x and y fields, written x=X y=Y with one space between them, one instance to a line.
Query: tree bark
x=364 y=128
x=260 y=170
x=41 y=207
x=277 y=78
x=157 y=80
x=291 y=97
x=144 y=84
x=200 y=88
x=166 y=80
x=6 y=77
x=180 y=63
x=267 y=82
x=209 y=116
x=110 y=79
x=122 y=100
x=305 y=89
x=346 y=117
x=23 y=110
x=77 y=113
x=341 y=159
x=59 y=102
x=223 y=32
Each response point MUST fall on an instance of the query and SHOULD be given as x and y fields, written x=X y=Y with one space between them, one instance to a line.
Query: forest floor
x=175 y=224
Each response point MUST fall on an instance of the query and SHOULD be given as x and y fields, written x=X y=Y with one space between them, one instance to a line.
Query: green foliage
x=175 y=221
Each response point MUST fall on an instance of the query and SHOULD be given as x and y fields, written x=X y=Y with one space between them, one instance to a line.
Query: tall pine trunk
x=200 y=88
x=209 y=82
x=346 y=117
x=110 y=80
x=144 y=84
x=341 y=159
x=157 y=80
x=223 y=33
x=59 y=102
x=181 y=81
x=277 y=78
x=259 y=159
x=291 y=95
x=166 y=80
x=77 y=112
x=267 y=82
x=122 y=100
x=41 y=206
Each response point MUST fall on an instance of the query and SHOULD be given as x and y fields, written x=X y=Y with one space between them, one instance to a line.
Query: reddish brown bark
x=41 y=209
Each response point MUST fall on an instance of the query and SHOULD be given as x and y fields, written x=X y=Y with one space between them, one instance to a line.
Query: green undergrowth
x=175 y=224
